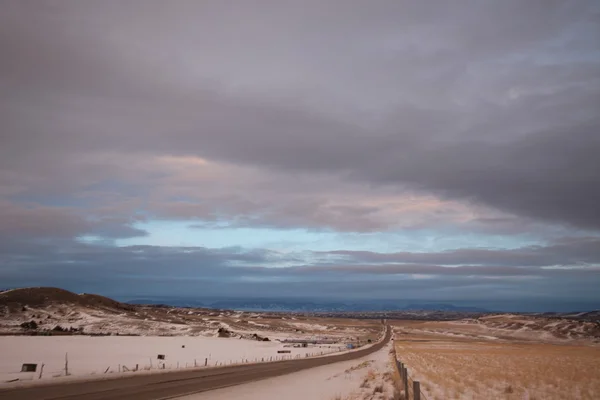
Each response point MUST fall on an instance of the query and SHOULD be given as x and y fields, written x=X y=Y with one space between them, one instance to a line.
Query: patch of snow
x=257 y=324
x=306 y=326
x=93 y=355
x=342 y=379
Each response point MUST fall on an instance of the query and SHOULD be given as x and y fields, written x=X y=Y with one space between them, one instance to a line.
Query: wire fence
x=410 y=388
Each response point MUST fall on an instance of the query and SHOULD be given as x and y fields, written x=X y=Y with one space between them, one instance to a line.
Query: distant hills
x=24 y=301
x=295 y=305
x=41 y=296
x=443 y=307
x=45 y=295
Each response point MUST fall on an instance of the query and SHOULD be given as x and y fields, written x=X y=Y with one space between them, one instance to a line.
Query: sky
x=343 y=149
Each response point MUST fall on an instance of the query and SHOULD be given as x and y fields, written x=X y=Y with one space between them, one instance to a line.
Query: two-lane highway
x=174 y=384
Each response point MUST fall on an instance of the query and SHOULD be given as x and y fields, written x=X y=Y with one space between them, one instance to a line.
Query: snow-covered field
x=369 y=377
x=91 y=356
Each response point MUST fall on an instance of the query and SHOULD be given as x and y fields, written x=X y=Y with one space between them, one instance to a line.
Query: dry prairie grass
x=363 y=364
x=451 y=368
x=508 y=327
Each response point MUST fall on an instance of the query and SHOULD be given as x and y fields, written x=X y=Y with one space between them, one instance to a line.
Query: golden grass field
x=457 y=367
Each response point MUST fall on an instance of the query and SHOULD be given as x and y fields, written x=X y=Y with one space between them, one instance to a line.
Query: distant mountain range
x=294 y=305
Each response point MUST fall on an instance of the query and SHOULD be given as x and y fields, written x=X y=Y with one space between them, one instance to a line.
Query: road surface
x=175 y=384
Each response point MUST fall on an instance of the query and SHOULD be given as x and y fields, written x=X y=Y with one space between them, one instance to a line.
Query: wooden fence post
x=416 y=390
x=406 y=384
x=401 y=369
x=205 y=362
x=66 y=364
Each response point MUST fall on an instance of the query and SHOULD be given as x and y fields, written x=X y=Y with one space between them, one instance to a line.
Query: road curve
x=174 y=384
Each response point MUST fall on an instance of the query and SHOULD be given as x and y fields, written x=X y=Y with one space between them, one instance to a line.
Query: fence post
x=416 y=390
x=401 y=369
x=406 y=383
x=66 y=364
x=205 y=362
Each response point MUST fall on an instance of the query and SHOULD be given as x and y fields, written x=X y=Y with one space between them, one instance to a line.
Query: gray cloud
x=499 y=113
x=565 y=252
x=196 y=271
x=436 y=270
x=326 y=115
x=35 y=222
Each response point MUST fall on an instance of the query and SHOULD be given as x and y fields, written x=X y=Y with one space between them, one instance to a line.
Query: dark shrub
x=29 y=325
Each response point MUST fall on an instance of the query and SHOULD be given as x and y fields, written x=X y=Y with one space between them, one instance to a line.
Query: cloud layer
x=398 y=119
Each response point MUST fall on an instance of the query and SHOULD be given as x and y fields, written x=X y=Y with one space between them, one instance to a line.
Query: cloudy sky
x=442 y=151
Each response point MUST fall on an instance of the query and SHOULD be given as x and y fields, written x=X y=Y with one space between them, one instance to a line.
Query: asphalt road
x=174 y=384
